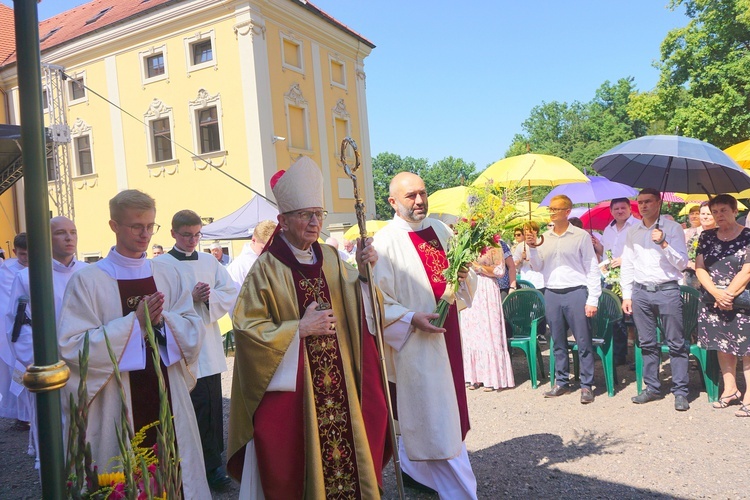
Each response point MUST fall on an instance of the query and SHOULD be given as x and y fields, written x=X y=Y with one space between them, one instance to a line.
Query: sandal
x=474 y=387
x=744 y=411
x=727 y=400
x=489 y=389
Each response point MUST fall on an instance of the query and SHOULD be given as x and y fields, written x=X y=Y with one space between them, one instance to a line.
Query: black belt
x=669 y=285
x=566 y=290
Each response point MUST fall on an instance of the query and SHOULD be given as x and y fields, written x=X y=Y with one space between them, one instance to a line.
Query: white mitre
x=301 y=186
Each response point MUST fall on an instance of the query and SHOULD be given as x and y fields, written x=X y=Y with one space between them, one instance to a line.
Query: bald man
x=17 y=319
x=425 y=361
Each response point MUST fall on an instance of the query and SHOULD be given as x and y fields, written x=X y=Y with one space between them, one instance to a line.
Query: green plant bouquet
x=483 y=218
x=141 y=472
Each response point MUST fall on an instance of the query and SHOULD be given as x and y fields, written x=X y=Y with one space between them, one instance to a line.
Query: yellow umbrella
x=740 y=153
x=372 y=226
x=448 y=201
x=530 y=170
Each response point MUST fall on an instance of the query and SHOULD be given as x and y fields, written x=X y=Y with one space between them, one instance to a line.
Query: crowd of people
x=309 y=414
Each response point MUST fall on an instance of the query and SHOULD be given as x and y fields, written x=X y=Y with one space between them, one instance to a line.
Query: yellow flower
x=111 y=478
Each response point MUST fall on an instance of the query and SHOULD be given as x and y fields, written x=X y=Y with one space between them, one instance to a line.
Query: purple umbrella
x=598 y=189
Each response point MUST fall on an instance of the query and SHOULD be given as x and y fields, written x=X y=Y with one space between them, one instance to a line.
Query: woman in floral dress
x=723 y=269
x=485 y=347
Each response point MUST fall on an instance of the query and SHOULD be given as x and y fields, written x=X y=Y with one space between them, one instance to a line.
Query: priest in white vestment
x=214 y=294
x=425 y=361
x=9 y=403
x=18 y=326
x=96 y=299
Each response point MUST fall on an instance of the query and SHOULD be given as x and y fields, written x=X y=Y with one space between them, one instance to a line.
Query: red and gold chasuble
x=144 y=385
x=279 y=420
x=433 y=258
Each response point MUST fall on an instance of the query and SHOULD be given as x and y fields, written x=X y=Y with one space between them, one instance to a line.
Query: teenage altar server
x=214 y=294
x=111 y=296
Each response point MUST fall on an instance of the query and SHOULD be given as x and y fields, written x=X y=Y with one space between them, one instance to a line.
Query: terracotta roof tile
x=7 y=33
x=99 y=14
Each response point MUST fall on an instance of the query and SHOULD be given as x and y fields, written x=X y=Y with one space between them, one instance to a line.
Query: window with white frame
x=160 y=132
x=154 y=66
x=161 y=136
x=205 y=112
x=82 y=144
x=200 y=51
x=77 y=89
x=45 y=100
x=297 y=119
x=84 y=162
x=291 y=53
x=338 y=71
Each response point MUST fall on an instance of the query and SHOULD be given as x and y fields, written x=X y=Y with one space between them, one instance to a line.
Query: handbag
x=741 y=301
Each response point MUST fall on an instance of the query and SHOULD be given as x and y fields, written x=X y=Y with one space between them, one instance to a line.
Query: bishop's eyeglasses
x=307 y=215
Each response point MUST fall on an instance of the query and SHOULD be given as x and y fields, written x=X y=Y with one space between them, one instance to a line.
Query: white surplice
x=9 y=404
x=223 y=295
x=23 y=347
x=92 y=304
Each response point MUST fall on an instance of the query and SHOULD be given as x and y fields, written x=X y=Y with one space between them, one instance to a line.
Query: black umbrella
x=672 y=163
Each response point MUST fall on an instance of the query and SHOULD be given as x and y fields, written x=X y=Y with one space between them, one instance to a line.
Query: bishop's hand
x=366 y=254
x=317 y=322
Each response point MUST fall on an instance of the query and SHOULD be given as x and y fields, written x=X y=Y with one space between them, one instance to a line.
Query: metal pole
x=40 y=252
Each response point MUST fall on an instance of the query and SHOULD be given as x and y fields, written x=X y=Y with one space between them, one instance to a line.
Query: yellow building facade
x=178 y=95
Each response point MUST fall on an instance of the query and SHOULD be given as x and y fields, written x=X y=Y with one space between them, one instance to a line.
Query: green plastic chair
x=609 y=311
x=523 y=310
x=706 y=359
x=524 y=284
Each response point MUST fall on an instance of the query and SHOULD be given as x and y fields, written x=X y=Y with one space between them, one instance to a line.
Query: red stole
x=144 y=386
x=433 y=258
x=279 y=420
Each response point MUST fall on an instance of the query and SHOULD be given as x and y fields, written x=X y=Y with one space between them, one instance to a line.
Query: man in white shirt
x=240 y=266
x=214 y=294
x=652 y=263
x=613 y=240
x=573 y=286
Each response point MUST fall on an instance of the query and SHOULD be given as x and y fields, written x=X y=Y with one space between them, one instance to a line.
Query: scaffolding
x=58 y=156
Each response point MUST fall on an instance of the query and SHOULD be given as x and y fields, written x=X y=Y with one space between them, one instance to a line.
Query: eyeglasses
x=306 y=215
x=137 y=229
x=190 y=236
x=556 y=210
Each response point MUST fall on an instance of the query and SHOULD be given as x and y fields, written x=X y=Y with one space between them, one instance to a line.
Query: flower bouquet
x=141 y=472
x=482 y=218
x=611 y=275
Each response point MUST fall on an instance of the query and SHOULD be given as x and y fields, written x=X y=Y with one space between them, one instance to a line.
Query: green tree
x=448 y=172
x=579 y=132
x=704 y=87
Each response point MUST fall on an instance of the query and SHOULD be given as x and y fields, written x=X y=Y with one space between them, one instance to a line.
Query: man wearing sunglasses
x=214 y=295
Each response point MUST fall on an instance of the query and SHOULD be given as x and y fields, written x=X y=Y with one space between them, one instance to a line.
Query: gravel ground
x=522 y=445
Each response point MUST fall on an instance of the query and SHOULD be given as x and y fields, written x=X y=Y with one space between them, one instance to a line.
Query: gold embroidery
x=434 y=261
x=133 y=301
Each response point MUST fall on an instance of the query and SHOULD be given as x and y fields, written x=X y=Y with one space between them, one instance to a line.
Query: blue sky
x=459 y=78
